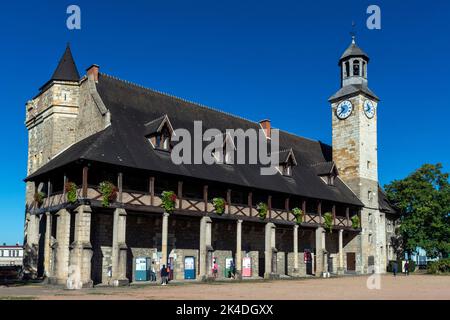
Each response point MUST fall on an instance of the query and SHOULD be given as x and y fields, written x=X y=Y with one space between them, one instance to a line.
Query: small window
x=331 y=180
x=369 y=195
x=287 y=169
x=356 y=71
x=368 y=165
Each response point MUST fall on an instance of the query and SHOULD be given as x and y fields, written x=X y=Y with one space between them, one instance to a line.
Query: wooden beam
x=64 y=186
x=250 y=202
x=85 y=182
x=151 y=190
x=205 y=197
x=180 y=194
x=229 y=201
x=120 y=187
x=49 y=188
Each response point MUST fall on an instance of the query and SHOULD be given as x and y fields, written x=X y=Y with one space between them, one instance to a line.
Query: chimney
x=92 y=71
x=265 y=125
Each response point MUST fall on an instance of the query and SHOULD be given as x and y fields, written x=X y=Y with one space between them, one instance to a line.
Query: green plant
x=109 y=192
x=328 y=221
x=439 y=266
x=298 y=214
x=71 y=191
x=168 y=201
x=355 y=222
x=262 y=210
x=219 y=205
x=39 y=197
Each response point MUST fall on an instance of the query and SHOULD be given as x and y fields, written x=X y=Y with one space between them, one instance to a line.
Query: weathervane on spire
x=353 y=32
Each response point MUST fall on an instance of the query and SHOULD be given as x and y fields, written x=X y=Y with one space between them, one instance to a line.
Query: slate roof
x=352 y=90
x=124 y=143
x=384 y=203
x=353 y=51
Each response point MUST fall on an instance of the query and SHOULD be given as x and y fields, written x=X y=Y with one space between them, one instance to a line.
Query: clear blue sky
x=252 y=58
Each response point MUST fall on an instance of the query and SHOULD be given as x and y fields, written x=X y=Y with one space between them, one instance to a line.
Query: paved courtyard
x=347 y=288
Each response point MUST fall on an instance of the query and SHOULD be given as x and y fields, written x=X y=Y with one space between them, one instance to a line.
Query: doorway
x=351 y=261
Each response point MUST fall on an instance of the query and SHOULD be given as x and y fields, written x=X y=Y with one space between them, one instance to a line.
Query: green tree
x=423 y=199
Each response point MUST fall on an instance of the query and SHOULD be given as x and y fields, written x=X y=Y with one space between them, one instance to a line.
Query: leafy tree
x=423 y=199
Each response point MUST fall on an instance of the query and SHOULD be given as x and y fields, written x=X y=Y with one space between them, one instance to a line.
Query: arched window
x=347 y=69
x=356 y=68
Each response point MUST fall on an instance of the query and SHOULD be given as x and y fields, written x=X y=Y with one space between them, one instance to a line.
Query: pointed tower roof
x=353 y=51
x=66 y=69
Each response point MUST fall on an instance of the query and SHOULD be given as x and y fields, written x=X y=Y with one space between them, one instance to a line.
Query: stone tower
x=51 y=120
x=354 y=127
x=51 y=116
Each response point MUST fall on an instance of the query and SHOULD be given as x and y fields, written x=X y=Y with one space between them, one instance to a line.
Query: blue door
x=189 y=268
x=141 y=269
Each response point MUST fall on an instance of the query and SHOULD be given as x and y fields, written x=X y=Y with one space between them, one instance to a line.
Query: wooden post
x=205 y=197
x=180 y=194
x=269 y=206
x=120 y=187
x=319 y=210
x=286 y=207
x=64 y=187
x=229 y=200
x=304 y=210
x=333 y=212
x=49 y=191
x=85 y=182
x=347 y=216
x=151 y=189
x=250 y=203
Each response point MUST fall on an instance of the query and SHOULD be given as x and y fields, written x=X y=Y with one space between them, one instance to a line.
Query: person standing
x=163 y=275
x=153 y=272
x=407 y=268
x=394 y=268
x=215 y=269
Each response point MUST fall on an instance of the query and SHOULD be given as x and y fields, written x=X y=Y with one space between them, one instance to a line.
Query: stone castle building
x=85 y=130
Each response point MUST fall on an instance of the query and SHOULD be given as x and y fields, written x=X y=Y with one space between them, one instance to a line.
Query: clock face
x=344 y=109
x=369 y=109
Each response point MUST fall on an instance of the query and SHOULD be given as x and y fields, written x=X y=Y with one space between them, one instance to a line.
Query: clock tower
x=354 y=124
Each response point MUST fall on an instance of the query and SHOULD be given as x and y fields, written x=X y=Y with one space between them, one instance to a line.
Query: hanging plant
x=262 y=210
x=298 y=214
x=328 y=221
x=168 y=201
x=109 y=192
x=219 y=205
x=39 y=197
x=71 y=191
x=355 y=222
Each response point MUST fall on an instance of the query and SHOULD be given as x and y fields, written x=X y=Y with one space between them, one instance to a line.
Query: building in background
x=11 y=255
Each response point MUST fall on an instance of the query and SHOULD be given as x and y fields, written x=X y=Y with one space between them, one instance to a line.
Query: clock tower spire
x=354 y=128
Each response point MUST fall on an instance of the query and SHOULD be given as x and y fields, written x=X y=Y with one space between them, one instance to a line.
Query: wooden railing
x=139 y=198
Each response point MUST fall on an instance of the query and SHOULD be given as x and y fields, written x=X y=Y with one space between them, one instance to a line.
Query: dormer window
x=225 y=153
x=159 y=133
x=287 y=162
x=327 y=171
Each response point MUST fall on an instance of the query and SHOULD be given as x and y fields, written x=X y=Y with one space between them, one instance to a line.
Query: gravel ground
x=425 y=287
